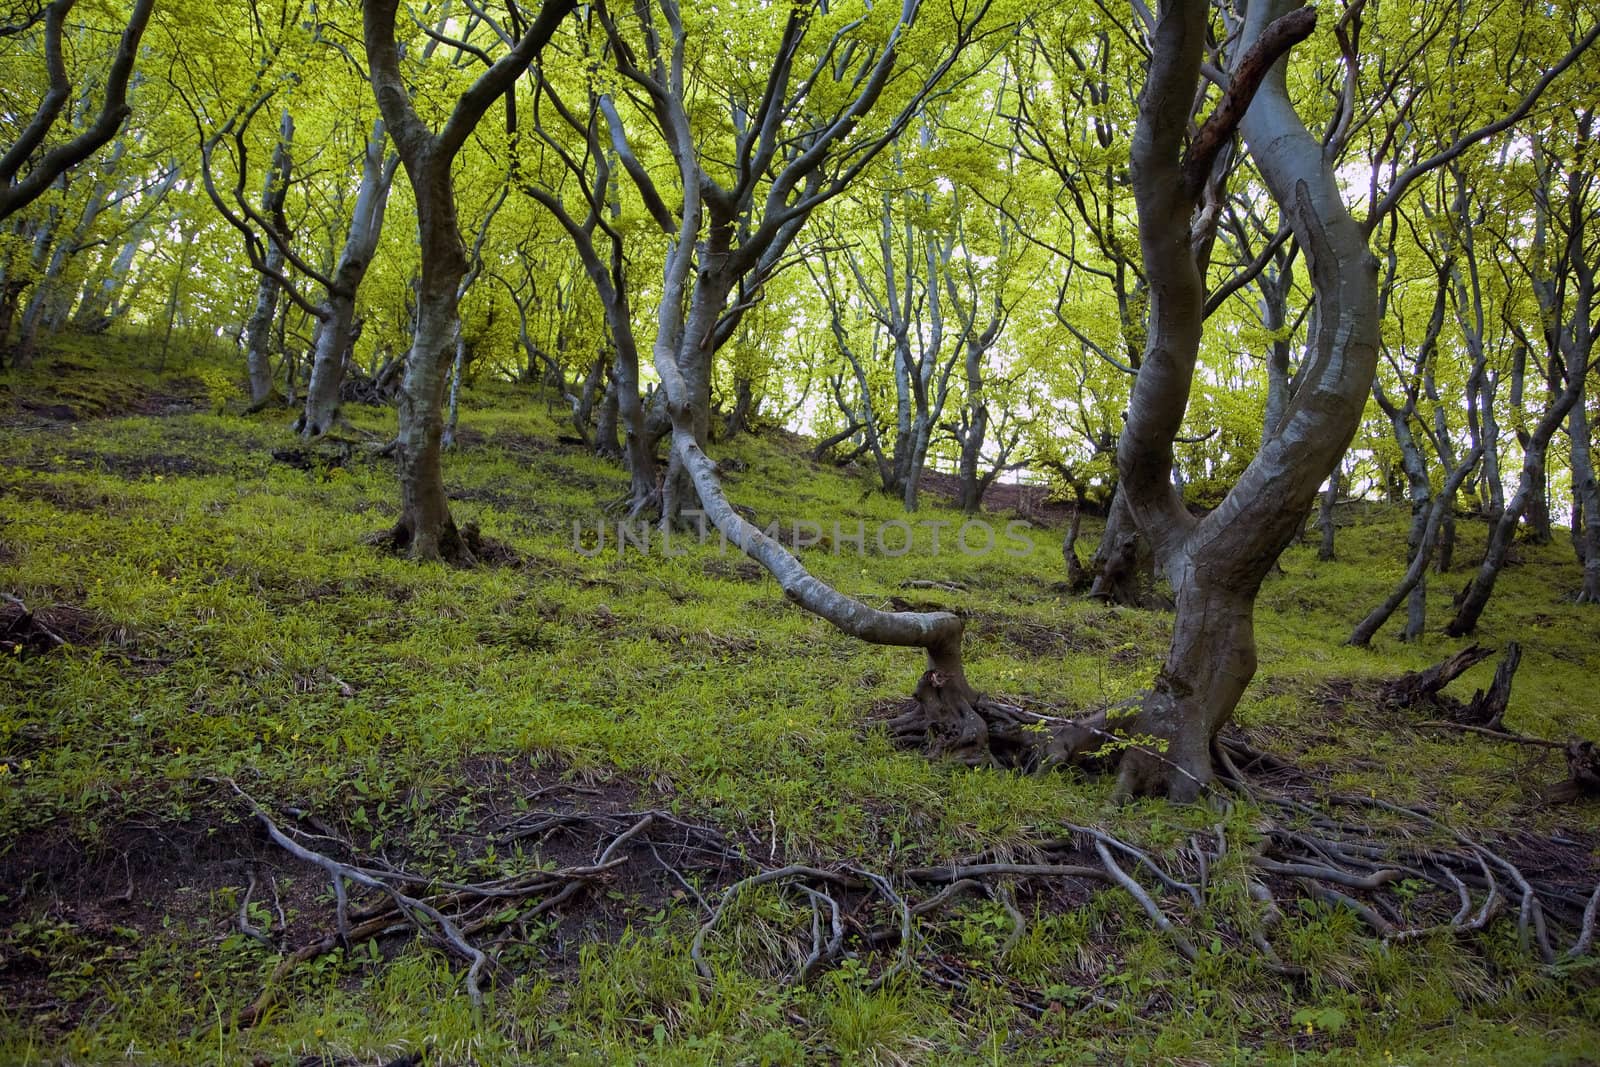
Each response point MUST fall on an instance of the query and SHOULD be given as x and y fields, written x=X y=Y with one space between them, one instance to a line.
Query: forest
x=928 y=532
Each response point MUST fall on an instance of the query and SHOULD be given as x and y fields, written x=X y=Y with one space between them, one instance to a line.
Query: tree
x=1557 y=262
x=792 y=140
x=425 y=528
x=1216 y=564
x=28 y=167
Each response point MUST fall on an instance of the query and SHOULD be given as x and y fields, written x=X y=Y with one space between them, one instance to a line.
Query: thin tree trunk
x=1417 y=571
x=335 y=338
x=1123 y=565
x=258 y=330
x=606 y=440
x=1325 y=515
x=1502 y=533
x=1536 y=497
x=447 y=440
x=1586 y=500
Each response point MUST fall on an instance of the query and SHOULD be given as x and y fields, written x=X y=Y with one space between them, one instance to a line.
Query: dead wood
x=1488 y=709
x=1421 y=688
x=1583 y=775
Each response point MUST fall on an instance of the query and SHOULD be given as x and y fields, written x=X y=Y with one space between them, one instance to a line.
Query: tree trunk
x=583 y=410
x=1210 y=662
x=258 y=329
x=1501 y=534
x=738 y=420
x=52 y=295
x=1325 y=517
x=1123 y=565
x=425 y=529
x=10 y=293
x=1586 y=499
x=448 y=439
x=339 y=309
x=1216 y=564
x=1536 y=496
x=1490 y=480
x=258 y=334
x=606 y=441
x=44 y=239
x=1415 y=573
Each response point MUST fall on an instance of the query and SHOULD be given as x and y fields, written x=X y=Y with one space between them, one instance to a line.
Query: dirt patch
x=132 y=468
x=1034 y=638
x=62 y=497
x=488 y=550
x=76 y=914
x=182 y=396
x=526 y=446
x=736 y=570
x=74 y=911
x=25 y=630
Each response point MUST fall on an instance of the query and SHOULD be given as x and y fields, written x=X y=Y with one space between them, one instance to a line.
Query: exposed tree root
x=1406 y=874
x=1485 y=715
x=452 y=913
x=454 y=544
x=1309 y=854
x=1583 y=774
x=22 y=628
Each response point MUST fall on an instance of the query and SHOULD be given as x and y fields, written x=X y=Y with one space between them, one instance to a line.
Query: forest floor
x=587 y=760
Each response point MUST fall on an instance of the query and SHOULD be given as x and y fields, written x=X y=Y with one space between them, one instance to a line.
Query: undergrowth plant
x=226 y=620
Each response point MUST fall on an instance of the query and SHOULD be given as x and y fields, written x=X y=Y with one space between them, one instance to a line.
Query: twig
x=1498 y=735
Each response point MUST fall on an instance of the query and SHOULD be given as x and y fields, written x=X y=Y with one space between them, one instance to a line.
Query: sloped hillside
x=661 y=803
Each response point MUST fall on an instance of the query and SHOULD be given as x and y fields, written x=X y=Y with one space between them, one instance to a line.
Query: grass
x=234 y=624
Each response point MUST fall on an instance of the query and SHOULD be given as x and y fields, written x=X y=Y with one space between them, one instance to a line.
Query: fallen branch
x=1498 y=735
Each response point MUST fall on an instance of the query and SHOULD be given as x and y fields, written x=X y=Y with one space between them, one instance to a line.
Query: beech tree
x=425 y=528
x=29 y=164
x=1555 y=264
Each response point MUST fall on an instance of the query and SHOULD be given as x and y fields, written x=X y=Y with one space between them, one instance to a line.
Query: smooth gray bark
x=258 y=329
x=1216 y=564
x=338 y=310
x=1586 y=502
x=425 y=529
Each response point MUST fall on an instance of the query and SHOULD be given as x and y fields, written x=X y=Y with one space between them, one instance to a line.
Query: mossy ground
x=231 y=621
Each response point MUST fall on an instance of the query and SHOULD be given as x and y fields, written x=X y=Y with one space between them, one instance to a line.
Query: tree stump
x=1488 y=709
x=1421 y=688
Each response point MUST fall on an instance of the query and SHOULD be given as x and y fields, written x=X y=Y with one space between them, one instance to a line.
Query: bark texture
x=1216 y=564
x=425 y=529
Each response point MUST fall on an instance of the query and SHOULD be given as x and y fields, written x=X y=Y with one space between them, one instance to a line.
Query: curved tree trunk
x=606 y=441
x=336 y=336
x=1216 y=564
